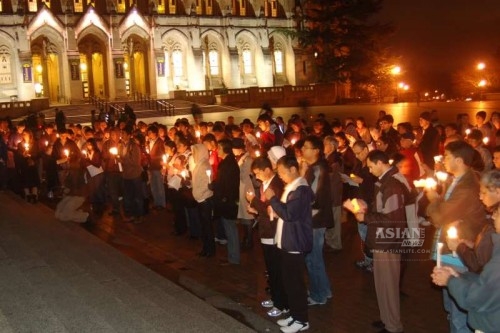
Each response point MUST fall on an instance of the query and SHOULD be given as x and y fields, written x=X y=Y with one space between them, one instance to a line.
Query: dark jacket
x=476 y=258
x=226 y=188
x=479 y=295
x=429 y=146
x=267 y=228
x=462 y=205
x=296 y=213
x=318 y=178
x=387 y=219
x=335 y=167
x=156 y=155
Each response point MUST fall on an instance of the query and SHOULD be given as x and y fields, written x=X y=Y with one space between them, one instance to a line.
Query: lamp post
x=481 y=84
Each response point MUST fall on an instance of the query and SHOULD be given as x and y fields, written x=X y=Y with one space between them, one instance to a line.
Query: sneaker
x=295 y=326
x=285 y=322
x=311 y=302
x=267 y=303
x=221 y=241
x=274 y=312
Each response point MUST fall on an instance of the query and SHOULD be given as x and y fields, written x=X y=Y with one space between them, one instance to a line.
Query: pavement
x=112 y=276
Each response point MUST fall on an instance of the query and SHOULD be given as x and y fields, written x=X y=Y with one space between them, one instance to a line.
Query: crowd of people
x=297 y=183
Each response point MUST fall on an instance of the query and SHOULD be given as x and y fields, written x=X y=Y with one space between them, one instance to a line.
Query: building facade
x=70 y=50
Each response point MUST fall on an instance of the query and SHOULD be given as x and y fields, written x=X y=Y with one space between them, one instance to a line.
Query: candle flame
x=113 y=151
x=452 y=233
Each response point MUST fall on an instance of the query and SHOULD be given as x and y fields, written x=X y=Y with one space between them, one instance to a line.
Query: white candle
x=46 y=143
x=293 y=142
x=183 y=174
x=391 y=161
x=165 y=158
x=113 y=151
x=452 y=233
x=198 y=134
x=257 y=153
x=441 y=176
x=486 y=140
x=209 y=174
x=467 y=131
x=66 y=152
x=430 y=183
x=438 y=158
x=257 y=135
x=355 y=205
x=26 y=146
x=84 y=152
x=438 y=254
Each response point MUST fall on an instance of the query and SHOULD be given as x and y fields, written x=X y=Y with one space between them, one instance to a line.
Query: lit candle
x=438 y=158
x=84 y=152
x=198 y=134
x=66 y=152
x=391 y=161
x=293 y=141
x=438 y=254
x=355 y=205
x=257 y=135
x=209 y=175
x=441 y=176
x=46 y=143
x=452 y=233
x=183 y=174
x=430 y=183
x=26 y=146
x=467 y=131
x=113 y=151
x=257 y=153
x=486 y=140
x=419 y=183
x=165 y=158
x=352 y=175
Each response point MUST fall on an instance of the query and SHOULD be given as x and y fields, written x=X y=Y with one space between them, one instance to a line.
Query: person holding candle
x=133 y=189
x=92 y=162
x=476 y=254
x=478 y=293
x=294 y=238
x=156 y=151
x=26 y=159
x=203 y=196
x=226 y=196
x=259 y=205
x=430 y=141
x=314 y=169
x=112 y=174
x=388 y=214
x=459 y=202
x=475 y=139
x=67 y=155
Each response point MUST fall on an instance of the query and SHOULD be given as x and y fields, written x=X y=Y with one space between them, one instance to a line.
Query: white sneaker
x=295 y=326
x=310 y=301
x=285 y=322
x=267 y=303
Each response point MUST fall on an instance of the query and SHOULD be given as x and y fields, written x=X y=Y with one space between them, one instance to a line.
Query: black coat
x=227 y=188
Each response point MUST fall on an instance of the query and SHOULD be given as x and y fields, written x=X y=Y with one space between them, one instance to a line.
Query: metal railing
x=160 y=105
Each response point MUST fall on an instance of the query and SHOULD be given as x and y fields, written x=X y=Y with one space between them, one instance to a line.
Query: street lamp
x=396 y=70
x=480 y=66
x=481 y=84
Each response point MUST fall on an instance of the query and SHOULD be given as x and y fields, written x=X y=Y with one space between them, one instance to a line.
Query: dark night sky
x=437 y=37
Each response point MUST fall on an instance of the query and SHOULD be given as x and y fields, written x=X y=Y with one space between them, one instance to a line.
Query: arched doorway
x=93 y=67
x=46 y=65
x=136 y=60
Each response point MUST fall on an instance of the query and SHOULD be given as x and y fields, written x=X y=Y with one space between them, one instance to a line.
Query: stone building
x=70 y=50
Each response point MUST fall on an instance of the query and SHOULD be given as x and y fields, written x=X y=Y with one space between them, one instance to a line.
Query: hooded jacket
x=200 y=179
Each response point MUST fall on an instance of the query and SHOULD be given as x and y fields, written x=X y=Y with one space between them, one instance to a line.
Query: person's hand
x=453 y=243
x=360 y=217
x=431 y=194
x=441 y=275
x=356 y=179
x=468 y=243
x=252 y=210
x=303 y=166
x=249 y=196
x=269 y=193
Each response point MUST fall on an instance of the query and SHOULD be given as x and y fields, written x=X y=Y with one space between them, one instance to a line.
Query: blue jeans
x=233 y=241
x=319 y=285
x=456 y=316
x=157 y=188
x=363 y=230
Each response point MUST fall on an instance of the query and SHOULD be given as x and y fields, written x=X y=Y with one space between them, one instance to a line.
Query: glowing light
x=396 y=70
x=113 y=151
x=441 y=176
x=480 y=66
x=452 y=233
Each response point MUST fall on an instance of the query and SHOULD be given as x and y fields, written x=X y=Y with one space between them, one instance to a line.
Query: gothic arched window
x=5 y=65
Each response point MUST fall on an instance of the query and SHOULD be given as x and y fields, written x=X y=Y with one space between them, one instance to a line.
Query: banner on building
x=119 y=71
x=160 y=65
x=74 y=67
x=27 y=75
